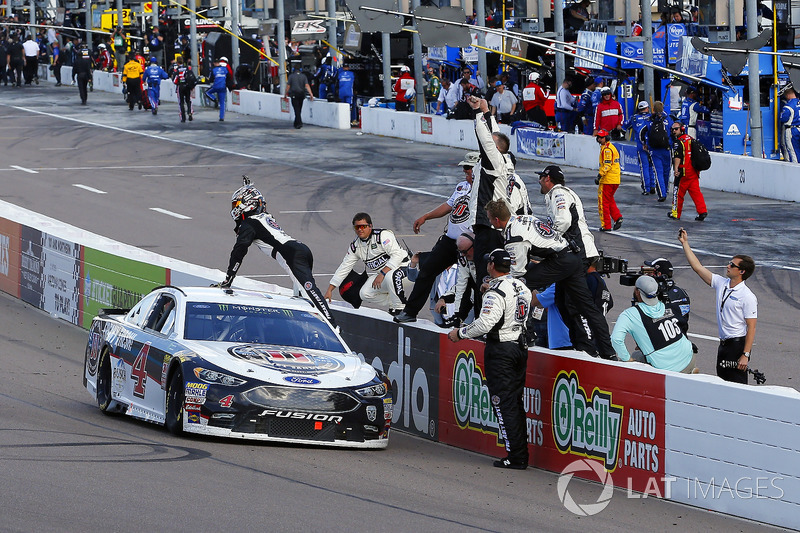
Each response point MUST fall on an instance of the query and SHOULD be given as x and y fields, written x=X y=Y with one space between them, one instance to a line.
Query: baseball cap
x=605 y=90
x=663 y=266
x=223 y=59
x=471 y=159
x=153 y=60
x=499 y=257
x=602 y=133
x=648 y=288
x=533 y=76
x=598 y=79
x=404 y=68
x=553 y=171
x=642 y=105
x=498 y=83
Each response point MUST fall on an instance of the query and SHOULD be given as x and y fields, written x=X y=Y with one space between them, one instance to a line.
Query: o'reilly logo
x=471 y=398
x=588 y=426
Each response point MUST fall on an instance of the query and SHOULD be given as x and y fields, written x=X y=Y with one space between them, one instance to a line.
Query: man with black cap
x=505 y=308
x=656 y=330
x=527 y=236
x=565 y=212
x=444 y=252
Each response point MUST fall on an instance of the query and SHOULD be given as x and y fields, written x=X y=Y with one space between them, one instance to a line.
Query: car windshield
x=261 y=325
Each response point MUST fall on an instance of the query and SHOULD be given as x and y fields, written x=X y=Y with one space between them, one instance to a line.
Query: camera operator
x=669 y=293
x=655 y=329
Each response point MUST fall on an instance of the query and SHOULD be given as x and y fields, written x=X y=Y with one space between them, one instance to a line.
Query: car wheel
x=174 y=408
x=104 y=382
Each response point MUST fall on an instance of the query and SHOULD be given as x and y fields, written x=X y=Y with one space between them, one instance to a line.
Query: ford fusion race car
x=235 y=363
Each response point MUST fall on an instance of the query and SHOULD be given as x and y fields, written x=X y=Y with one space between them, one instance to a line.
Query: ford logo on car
x=302 y=380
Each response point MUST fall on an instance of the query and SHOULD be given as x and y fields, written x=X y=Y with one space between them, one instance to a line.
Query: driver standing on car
x=255 y=225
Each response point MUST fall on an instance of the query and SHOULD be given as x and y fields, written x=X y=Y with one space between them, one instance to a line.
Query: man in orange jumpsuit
x=608 y=178
x=686 y=177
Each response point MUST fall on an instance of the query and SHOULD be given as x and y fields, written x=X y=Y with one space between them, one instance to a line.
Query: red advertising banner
x=9 y=257
x=575 y=409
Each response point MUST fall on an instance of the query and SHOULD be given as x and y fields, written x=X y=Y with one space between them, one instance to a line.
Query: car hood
x=285 y=365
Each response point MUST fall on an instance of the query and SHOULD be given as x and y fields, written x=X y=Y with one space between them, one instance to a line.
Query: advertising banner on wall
x=109 y=281
x=61 y=277
x=9 y=257
x=410 y=358
x=674 y=34
x=571 y=414
x=30 y=271
x=541 y=143
x=628 y=158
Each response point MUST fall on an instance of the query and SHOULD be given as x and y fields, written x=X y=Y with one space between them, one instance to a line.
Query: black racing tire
x=173 y=418
x=104 y=382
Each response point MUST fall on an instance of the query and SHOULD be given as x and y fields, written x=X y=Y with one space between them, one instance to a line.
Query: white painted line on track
x=87 y=188
x=704 y=337
x=170 y=213
x=161 y=175
x=232 y=152
x=55 y=149
x=297 y=212
x=29 y=171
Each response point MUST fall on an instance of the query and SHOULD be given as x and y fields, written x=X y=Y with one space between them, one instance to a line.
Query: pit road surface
x=107 y=170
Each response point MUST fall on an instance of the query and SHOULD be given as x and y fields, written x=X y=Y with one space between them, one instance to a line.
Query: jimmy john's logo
x=287 y=361
x=586 y=426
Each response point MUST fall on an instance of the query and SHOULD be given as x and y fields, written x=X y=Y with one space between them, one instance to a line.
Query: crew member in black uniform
x=255 y=224
x=505 y=309
x=82 y=68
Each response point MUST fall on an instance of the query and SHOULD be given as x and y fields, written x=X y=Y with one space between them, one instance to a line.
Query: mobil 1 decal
x=31 y=289
x=410 y=359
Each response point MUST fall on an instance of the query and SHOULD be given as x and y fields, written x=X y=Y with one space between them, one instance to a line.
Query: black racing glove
x=597 y=180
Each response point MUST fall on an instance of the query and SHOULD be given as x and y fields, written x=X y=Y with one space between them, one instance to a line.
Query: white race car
x=235 y=363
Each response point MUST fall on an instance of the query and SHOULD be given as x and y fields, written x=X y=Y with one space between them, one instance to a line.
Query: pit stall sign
x=575 y=409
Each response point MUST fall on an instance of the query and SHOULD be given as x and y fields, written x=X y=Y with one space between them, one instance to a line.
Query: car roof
x=242 y=297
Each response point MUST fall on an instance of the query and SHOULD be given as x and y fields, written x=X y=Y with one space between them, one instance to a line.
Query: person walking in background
x=296 y=88
x=687 y=179
x=221 y=78
x=639 y=123
x=153 y=75
x=657 y=139
x=608 y=180
x=82 y=68
x=132 y=78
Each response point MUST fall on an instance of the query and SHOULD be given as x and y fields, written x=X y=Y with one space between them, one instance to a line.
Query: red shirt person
x=404 y=87
x=608 y=115
x=687 y=179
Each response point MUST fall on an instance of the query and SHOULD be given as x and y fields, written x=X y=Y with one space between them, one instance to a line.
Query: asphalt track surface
x=104 y=168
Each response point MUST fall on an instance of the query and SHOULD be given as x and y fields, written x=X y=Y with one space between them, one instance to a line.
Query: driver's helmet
x=246 y=201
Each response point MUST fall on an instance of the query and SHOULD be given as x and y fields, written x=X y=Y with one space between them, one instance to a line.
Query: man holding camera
x=656 y=330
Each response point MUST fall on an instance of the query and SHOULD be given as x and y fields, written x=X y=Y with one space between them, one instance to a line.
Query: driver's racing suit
x=294 y=256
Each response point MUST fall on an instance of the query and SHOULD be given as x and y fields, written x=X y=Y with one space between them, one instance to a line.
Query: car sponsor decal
x=302 y=380
x=118 y=378
x=286 y=360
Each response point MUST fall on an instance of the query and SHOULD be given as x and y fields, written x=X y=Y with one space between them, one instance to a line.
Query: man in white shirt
x=504 y=103
x=31 y=67
x=565 y=107
x=447 y=95
x=737 y=311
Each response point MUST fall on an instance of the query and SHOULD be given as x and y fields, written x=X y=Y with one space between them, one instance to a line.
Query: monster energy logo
x=588 y=427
